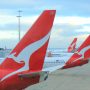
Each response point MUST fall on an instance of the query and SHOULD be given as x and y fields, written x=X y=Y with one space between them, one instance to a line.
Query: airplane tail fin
x=83 y=52
x=30 y=52
x=72 y=46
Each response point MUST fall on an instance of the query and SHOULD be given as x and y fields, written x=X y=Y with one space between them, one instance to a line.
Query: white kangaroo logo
x=82 y=52
x=25 y=55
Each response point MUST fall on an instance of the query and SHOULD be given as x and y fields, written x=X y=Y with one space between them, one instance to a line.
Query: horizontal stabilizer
x=32 y=74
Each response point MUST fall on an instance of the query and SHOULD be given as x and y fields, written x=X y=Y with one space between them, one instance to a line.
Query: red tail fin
x=72 y=46
x=82 y=53
x=30 y=52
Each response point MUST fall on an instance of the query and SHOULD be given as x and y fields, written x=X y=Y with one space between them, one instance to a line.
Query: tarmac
x=77 y=78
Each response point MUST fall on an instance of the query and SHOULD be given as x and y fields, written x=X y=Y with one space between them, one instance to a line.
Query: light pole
x=19 y=23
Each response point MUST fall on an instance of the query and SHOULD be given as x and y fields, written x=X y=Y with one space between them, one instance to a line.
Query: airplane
x=79 y=58
x=24 y=65
x=72 y=47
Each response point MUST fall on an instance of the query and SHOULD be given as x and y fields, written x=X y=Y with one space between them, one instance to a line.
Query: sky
x=72 y=20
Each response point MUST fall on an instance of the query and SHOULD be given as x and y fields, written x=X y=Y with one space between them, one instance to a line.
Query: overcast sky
x=72 y=20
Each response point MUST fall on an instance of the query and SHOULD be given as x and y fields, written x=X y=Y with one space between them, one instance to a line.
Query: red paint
x=39 y=30
x=72 y=47
x=86 y=53
x=78 y=63
x=79 y=58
